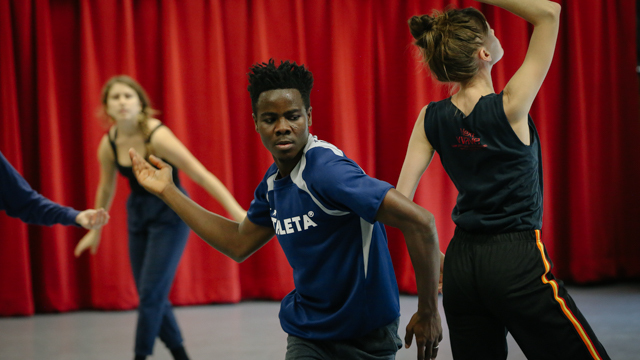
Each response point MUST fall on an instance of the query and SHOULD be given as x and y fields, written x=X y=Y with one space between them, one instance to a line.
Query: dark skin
x=283 y=122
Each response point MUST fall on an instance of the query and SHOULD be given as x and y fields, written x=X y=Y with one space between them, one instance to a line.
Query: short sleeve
x=341 y=184
x=259 y=210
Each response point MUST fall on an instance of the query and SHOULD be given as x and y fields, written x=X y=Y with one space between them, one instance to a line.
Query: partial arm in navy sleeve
x=19 y=200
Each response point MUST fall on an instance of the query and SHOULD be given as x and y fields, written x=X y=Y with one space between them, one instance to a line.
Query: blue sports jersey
x=324 y=214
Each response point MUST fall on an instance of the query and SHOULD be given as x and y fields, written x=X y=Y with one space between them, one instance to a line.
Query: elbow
x=424 y=226
x=429 y=225
x=550 y=12
x=238 y=254
x=239 y=257
x=554 y=10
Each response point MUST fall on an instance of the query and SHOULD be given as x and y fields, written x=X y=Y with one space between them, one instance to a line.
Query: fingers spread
x=157 y=162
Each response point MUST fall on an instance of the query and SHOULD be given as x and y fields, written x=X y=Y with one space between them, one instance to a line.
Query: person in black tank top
x=157 y=235
x=496 y=277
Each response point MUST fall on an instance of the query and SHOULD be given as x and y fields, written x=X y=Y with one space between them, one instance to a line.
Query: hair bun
x=418 y=25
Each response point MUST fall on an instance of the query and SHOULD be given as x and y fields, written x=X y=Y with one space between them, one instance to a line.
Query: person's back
x=496 y=275
x=499 y=179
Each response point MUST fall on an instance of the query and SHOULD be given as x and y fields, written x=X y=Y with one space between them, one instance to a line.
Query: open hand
x=428 y=332
x=92 y=219
x=90 y=241
x=154 y=179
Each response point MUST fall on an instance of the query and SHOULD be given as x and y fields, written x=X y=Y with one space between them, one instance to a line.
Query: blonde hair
x=448 y=42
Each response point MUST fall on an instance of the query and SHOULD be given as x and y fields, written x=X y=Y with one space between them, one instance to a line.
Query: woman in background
x=497 y=275
x=157 y=236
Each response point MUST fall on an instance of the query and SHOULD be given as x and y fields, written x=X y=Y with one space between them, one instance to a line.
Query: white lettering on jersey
x=289 y=223
x=308 y=222
x=296 y=219
x=287 y=226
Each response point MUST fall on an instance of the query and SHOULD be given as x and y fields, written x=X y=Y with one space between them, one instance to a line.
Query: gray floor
x=250 y=330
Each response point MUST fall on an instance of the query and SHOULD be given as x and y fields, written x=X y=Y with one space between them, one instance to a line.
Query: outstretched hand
x=428 y=332
x=91 y=219
x=154 y=179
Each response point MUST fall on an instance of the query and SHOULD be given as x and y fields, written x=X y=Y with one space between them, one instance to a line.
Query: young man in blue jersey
x=327 y=215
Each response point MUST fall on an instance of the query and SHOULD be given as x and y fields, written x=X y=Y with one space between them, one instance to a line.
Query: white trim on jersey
x=296 y=177
x=367 y=233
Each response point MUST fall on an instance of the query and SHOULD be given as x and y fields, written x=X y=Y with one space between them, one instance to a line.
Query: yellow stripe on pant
x=563 y=305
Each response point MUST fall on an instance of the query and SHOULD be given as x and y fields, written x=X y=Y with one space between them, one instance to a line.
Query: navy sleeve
x=259 y=211
x=19 y=200
x=341 y=184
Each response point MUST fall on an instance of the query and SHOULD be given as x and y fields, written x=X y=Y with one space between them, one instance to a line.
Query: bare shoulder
x=105 y=151
x=165 y=144
x=161 y=134
x=153 y=123
x=420 y=120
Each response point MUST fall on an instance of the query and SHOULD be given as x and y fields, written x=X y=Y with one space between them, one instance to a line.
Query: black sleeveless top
x=127 y=171
x=499 y=178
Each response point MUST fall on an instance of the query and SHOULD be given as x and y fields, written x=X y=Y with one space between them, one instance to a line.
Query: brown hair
x=448 y=42
x=145 y=103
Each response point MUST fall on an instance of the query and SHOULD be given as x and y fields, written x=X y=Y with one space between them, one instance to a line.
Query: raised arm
x=523 y=87
x=167 y=146
x=419 y=156
x=236 y=240
x=104 y=195
x=419 y=230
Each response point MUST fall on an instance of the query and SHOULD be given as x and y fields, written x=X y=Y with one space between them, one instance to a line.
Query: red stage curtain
x=193 y=56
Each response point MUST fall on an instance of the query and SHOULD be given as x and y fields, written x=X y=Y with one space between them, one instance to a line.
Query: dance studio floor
x=250 y=330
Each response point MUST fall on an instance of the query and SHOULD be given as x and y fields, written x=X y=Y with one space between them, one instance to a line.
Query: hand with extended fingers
x=154 y=179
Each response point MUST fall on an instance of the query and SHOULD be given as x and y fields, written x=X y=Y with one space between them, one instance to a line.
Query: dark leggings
x=157 y=237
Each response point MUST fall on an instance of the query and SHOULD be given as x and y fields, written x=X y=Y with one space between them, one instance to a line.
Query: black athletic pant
x=494 y=284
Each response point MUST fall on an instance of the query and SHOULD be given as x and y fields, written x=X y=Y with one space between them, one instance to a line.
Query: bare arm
x=523 y=87
x=418 y=227
x=107 y=184
x=104 y=195
x=236 y=240
x=169 y=147
x=419 y=156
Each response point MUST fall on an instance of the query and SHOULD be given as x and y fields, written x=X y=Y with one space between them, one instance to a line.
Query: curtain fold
x=16 y=295
x=192 y=58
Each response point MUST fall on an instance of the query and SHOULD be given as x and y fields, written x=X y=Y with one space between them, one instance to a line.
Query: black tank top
x=499 y=179
x=127 y=171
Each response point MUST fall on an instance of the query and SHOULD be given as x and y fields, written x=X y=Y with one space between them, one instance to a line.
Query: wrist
x=428 y=306
x=168 y=191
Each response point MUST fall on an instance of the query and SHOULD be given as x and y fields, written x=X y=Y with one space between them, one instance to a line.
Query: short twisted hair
x=266 y=76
